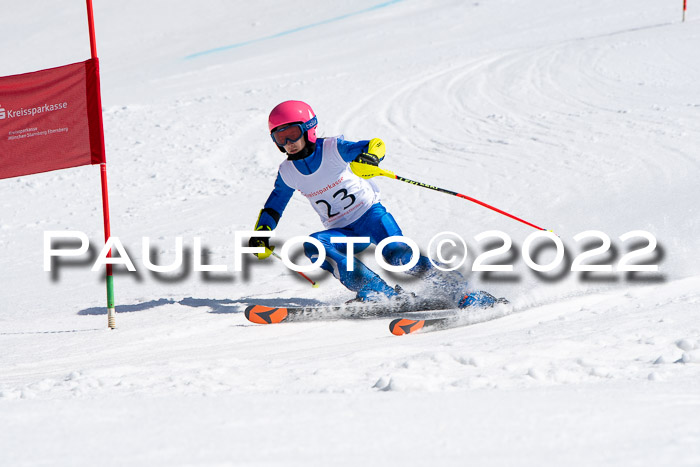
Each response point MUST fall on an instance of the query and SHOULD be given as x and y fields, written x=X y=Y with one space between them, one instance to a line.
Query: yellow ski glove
x=366 y=165
x=262 y=242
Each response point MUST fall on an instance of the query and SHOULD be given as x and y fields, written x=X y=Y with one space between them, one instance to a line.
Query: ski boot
x=480 y=299
x=397 y=294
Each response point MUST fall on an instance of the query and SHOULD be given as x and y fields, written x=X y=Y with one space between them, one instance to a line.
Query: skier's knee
x=397 y=253
x=311 y=251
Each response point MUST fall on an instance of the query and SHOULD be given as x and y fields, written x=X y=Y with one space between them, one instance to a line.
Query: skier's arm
x=368 y=152
x=270 y=215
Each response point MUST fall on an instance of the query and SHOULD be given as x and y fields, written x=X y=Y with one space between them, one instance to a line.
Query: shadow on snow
x=213 y=305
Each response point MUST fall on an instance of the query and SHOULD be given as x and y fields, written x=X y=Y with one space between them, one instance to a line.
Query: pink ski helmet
x=294 y=112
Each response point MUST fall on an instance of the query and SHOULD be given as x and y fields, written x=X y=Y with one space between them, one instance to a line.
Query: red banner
x=50 y=120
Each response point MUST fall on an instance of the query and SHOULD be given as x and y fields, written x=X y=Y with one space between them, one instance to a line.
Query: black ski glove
x=262 y=242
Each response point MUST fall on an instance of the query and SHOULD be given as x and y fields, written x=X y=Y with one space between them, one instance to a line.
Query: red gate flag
x=50 y=120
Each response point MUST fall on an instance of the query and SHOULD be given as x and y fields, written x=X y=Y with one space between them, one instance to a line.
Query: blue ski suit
x=376 y=223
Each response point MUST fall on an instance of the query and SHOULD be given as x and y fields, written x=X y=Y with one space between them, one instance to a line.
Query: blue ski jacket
x=282 y=193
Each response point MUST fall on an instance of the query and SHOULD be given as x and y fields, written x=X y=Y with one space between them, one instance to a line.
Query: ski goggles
x=291 y=133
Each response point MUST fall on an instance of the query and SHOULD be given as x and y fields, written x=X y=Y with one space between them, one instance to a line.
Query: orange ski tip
x=402 y=326
x=265 y=315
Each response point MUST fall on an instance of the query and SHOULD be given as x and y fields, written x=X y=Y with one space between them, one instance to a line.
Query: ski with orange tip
x=403 y=326
x=449 y=319
x=262 y=314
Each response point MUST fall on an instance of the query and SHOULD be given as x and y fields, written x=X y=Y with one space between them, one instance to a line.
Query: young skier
x=323 y=170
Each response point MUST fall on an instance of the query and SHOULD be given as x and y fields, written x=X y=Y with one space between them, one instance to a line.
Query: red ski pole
x=313 y=283
x=369 y=171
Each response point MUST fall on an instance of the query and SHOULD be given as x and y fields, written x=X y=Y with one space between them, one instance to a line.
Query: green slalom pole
x=111 y=319
x=111 y=312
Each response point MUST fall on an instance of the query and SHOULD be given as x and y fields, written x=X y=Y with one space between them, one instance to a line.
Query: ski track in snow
x=575 y=116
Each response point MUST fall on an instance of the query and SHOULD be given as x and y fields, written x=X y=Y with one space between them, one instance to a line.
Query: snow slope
x=572 y=115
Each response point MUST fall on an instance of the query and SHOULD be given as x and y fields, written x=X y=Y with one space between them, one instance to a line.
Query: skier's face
x=295 y=147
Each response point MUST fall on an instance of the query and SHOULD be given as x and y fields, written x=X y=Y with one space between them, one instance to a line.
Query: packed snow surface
x=576 y=116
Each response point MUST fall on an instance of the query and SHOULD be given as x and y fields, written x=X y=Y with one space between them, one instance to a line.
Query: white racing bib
x=338 y=195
